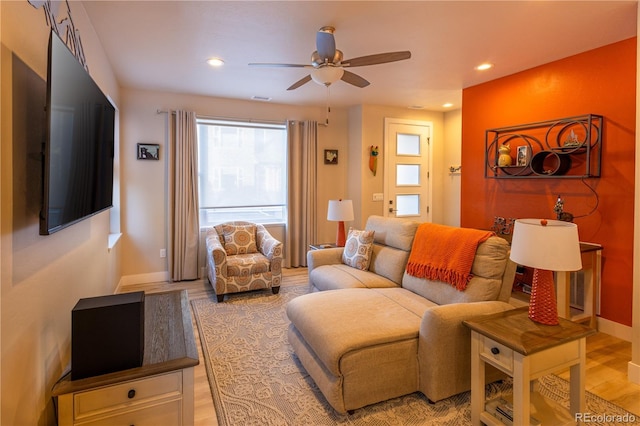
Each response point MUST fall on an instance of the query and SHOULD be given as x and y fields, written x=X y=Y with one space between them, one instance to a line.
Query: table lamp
x=340 y=211
x=547 y=246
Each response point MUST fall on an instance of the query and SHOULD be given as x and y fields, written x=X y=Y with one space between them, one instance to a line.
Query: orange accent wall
x=601 y=81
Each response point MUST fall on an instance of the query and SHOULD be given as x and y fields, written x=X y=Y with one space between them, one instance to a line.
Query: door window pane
x=407 y=174
x=408 y=205
x=407 y=144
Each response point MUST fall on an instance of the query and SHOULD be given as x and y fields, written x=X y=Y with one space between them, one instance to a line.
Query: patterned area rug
x=256 y=379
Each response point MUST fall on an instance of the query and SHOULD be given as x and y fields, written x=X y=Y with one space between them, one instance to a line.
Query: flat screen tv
x=79 y=146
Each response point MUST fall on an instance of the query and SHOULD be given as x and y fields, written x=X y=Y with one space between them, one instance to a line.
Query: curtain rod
x=250 y=120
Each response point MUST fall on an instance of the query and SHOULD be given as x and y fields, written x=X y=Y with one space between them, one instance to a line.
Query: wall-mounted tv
x=79 y=147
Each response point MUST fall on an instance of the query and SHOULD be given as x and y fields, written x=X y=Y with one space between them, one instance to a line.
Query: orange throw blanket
x=445 y=253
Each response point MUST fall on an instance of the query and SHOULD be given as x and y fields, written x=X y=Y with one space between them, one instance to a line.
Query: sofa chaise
x=366 y=336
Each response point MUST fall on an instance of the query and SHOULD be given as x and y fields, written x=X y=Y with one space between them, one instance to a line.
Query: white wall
x=452 y=158
x=144 y=197
x=42 y=277
x=366 y=128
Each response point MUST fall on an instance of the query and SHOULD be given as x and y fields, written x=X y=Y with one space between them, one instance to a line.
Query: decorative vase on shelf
x=504 y=157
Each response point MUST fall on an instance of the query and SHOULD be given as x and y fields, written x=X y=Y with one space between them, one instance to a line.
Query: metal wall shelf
x=564 y=148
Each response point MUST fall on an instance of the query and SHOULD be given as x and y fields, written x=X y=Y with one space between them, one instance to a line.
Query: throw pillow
x=239 y=239
x=358 y=249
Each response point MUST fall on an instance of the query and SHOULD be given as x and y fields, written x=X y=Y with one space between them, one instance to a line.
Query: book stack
x=502 y=409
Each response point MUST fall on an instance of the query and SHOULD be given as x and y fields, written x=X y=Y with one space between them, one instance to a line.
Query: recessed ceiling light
x=447 y=105
x=215 y=62
x=484 y=67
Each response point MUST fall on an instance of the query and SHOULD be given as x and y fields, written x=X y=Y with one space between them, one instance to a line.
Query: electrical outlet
x=163 y=252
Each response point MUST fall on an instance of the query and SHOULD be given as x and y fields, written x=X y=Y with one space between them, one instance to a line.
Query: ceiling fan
x=328 y=66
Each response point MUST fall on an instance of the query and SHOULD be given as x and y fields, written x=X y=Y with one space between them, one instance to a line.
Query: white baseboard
x=614 y=329
x=633 y=373
x=153 y=277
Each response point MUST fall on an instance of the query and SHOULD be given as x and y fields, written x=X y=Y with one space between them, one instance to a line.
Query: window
x=242 y=171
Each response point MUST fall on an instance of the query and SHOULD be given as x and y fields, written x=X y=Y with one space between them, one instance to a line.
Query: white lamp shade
x=340 y=210
x=554 y=246
x=327 y=75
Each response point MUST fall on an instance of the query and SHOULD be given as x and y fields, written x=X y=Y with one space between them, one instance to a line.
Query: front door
x=407 y=149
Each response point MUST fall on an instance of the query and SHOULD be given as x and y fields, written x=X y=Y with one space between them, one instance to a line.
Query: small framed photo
x=148 y=151
x=523 y=156
x=330 y=156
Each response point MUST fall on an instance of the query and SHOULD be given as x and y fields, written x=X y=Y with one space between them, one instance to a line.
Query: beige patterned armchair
x=242 y=256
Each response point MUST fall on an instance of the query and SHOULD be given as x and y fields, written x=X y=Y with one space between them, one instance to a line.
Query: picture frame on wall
x=522 y=158
x=148 y=151
x=330 y=156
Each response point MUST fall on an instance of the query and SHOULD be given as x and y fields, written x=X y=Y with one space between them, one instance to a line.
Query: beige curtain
x=302 y=226
x=183 y=198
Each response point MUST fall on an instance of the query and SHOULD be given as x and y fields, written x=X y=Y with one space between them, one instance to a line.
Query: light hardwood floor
x=606 y=370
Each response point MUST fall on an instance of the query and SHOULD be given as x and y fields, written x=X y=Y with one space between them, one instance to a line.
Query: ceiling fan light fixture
x=327 y=75
x=328 y=66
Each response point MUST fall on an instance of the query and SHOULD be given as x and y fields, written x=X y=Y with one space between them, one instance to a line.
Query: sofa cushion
x=357 y=249
x=329 y=324
x=239 y=239
x=393 y=239
x=491 y=258
x=393 y=232
x=247 y=264
x=407 y=299
x=337 y=276
x=388 y=262
x=487 y=269
x=365 y=379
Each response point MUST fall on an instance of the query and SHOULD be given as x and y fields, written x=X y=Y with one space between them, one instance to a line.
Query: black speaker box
x=107 y=334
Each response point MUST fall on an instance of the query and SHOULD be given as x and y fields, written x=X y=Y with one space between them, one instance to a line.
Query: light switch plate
x=378 y=196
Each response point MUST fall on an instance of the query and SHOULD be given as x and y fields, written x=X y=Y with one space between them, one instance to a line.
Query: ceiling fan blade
x=262 y=64
x=300 y=83
x=326 y=43
x=379 y=58
x=354 y=79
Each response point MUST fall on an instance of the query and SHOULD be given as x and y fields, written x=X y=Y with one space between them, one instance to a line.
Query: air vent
x=261 y=98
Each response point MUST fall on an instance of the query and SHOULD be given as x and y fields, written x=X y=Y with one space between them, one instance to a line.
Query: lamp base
x=543 y=308
x=340 y=237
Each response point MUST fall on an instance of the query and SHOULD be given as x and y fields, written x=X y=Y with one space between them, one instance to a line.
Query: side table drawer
x=545 y=362
x=166 y=414
x=127 y=394
x=497 y=355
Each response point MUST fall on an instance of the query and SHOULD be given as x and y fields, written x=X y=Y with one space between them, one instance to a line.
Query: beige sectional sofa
x=368 y=336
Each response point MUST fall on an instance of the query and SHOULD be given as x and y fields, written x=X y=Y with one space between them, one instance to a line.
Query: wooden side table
x=158 y=392
x=322 y=246
x=591 y=267
x=526 y=350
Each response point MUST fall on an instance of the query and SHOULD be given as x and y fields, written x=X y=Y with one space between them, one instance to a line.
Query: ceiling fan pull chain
x=328 y=107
